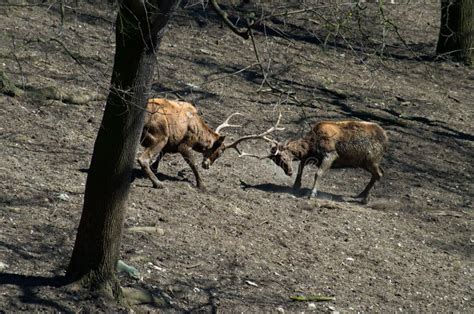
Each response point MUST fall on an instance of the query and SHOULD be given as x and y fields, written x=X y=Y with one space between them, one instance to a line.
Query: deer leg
x=297 y=183
x=156 y=163
x=189 y=158
x=377 y=173
x=325 y=165
x=146 y=157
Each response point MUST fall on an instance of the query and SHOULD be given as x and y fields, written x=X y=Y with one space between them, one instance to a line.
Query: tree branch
x=244 y=33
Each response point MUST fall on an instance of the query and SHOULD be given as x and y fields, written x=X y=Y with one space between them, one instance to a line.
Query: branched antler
x=226 y=124
x=255 y=156
x=262 y=135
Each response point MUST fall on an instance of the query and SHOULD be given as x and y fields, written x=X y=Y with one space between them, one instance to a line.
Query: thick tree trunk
x=456 y=36
x=138 y=34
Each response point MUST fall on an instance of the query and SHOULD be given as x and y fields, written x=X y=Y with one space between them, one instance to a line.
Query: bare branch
x=244 y=33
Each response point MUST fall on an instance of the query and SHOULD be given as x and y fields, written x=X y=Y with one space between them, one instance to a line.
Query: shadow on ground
x=28 y=284
x=284 y=189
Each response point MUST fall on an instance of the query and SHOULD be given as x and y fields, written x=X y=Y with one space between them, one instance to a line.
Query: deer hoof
x=158 y=185
x=364 y=199
x=312 y=195
x=202 y=188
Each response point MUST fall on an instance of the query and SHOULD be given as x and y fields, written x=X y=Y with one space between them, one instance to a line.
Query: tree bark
x=456 y=36
x=140 y=26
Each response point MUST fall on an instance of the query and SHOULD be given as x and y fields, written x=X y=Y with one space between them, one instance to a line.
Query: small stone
x=63 y=197
x=158 y=268
x=251 y=283
x=311 y=306
x=3 y=266
x=205 y=51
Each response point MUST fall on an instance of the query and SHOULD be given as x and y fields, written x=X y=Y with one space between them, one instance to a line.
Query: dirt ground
x=249 y=242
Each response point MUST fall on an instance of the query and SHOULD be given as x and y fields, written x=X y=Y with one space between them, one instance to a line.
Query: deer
x=172 y=127
x=332 y=144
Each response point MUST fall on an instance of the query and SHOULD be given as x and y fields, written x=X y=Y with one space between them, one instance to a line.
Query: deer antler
x=262 y=135
x=255 y=156
x=226 y=124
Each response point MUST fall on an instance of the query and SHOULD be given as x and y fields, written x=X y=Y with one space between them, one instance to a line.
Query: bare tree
x=140 y=26
x=456 y=35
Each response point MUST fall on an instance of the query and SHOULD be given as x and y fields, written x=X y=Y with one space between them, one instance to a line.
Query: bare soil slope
x=250 y=242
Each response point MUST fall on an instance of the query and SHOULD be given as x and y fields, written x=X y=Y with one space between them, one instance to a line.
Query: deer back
x=356 y=142
x=179 y=122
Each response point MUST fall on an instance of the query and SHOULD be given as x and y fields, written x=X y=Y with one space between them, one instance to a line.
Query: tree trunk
x=456 y=36
x=96 y=251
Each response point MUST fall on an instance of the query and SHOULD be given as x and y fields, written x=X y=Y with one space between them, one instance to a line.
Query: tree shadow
x=446 y=131
x=42 y=148
x=30 y=295
x=277 y=27
x=31 y=281
x=139 y=174
x=458 y=246
x=27 y=285
x=37 y=200
x=211 y=293
x=163 y=90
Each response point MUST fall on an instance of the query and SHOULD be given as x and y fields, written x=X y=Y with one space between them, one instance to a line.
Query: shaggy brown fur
x=335 y=144
x=175 y=127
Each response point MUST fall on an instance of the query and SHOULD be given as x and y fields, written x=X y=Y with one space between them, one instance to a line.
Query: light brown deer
x=175 y=127
x=333 y=144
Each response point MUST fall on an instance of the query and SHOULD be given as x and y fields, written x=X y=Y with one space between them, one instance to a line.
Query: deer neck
x=205 y=140
x=300 y=148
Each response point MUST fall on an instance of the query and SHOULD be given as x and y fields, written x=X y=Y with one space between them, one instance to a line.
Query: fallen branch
x=311 y=298
x=147 y=229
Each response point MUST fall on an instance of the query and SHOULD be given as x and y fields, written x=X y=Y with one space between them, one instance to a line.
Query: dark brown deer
x=334 y=144
x=175 y=127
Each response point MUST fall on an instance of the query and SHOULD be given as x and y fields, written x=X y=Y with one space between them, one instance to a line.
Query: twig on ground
x=19 y=63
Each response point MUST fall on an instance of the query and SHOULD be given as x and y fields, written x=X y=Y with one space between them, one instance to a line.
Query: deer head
x=210 y=155
x=282 y=157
